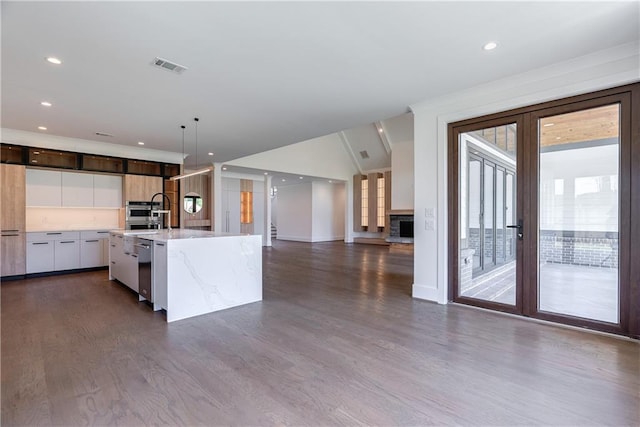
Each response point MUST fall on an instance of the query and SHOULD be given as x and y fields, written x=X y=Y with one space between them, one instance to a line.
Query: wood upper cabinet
x=13 y=191
x=140 y=187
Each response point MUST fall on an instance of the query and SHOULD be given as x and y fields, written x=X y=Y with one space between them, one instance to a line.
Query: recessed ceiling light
x=266 y=173
x=53 y=60
x=211 y=154
x=380 y=130
x=548 y=124
x=224 y=169
x=490 y=46
x=283 y=180
x=557 y=137
x=301 y=177
x=140 y=143
x=42 y=128
x=330 y=181
x=45 y=104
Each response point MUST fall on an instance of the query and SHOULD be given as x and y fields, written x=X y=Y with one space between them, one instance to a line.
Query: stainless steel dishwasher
x=143 y=248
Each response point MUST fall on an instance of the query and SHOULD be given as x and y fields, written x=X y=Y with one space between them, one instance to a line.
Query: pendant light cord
x=196 y=120
x=182 y=127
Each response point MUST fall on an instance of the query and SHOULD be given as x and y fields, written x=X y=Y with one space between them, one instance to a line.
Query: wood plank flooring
x=338 y=340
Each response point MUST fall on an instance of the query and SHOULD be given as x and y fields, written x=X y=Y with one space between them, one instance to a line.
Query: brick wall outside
x=594 y=249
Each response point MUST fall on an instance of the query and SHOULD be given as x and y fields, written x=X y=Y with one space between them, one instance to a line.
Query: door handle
x=519 y=227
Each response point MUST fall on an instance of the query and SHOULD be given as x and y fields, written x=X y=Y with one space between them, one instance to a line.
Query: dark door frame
x=526 y=119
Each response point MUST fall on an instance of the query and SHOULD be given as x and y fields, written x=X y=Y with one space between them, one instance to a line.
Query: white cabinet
x=116 y=257
x=94 y=250
x=77 y=189
x=123 y=263
x=258 y=207
x=91 y=253
x=66 y=250
x=66 y=254
x=73 y=189
x=40 y=256
x=231 y=206
x=44 y=187
x=131 y=271
x=107 y=191
x=159 y=276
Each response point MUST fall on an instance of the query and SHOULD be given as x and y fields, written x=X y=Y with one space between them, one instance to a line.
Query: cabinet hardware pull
x=40 y=243
x=68 y=241
x=134 y=255
x=139 y=245
x=91 y=241
x=103 y=232
x=8 y=231
x=10 y=235
x=52 y=234
x=127 y=253
x=113 y=262
x=113 y=245
x=159 y=244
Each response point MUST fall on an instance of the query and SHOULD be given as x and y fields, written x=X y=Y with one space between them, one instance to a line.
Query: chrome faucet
x=168 y=211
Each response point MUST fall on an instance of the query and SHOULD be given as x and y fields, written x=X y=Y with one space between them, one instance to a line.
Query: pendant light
x=197 y=171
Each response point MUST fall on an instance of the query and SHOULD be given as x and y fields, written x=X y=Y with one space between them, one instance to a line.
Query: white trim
x=600 y=70
x=347 y=146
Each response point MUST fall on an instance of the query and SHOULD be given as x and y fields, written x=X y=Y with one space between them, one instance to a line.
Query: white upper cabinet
x=44 y=187
x=107 y=191
x=77 y=189
x=73 y=189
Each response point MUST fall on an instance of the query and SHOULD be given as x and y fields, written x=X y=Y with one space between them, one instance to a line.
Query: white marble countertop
x=175 y=234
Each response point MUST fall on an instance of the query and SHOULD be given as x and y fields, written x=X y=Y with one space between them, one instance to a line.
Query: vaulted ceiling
x=265 y=74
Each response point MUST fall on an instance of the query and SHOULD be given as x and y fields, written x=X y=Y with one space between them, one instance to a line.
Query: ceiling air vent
x=168 y=65
x=104 y=134
x=364 y=154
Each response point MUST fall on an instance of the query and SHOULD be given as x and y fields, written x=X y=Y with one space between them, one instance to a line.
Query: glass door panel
x=487 y=194
x=578 y=227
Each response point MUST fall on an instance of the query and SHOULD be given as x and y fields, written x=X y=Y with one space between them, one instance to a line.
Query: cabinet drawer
x=52 y=235
x=98 y=234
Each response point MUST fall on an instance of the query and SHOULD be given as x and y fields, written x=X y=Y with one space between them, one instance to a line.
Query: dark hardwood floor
x=338 y=340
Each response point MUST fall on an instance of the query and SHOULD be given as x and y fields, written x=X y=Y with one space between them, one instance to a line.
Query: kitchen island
x=193 y=272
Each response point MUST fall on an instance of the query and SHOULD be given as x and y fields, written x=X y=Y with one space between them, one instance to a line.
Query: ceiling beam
x=382 y=133
x=347 y=146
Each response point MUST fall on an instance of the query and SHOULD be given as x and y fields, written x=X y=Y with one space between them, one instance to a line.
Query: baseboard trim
x=424 y=292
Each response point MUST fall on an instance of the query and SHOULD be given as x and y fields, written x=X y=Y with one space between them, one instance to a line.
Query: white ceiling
x=263 y=75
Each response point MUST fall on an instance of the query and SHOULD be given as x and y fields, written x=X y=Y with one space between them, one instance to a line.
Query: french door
x=541 y=211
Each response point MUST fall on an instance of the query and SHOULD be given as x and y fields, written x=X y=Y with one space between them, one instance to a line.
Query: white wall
x=402 y=186
x=328 y=210
x=599 y=70
x=295 y=212
x=323 y=157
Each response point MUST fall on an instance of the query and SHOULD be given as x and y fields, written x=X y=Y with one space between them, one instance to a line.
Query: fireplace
x=401 y=226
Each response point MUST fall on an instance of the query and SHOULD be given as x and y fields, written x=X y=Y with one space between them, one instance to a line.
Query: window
x=365 y=203
x=381 y=212
x=246 y=207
